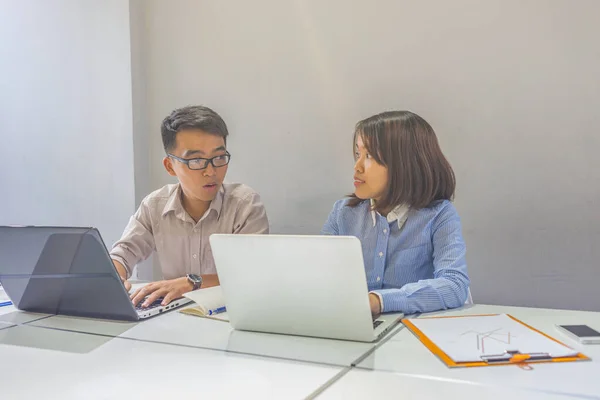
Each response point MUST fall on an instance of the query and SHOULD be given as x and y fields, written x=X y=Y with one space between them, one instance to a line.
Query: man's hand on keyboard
x=169 y=290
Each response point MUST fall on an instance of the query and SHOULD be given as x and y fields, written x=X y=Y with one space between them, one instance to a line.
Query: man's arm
x=170 y=290
x=136 y=244
x=122 y=271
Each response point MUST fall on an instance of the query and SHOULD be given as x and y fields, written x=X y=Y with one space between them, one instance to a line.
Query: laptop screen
x=57 y=270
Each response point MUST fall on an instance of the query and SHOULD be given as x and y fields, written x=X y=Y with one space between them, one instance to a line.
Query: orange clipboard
x=516 y=359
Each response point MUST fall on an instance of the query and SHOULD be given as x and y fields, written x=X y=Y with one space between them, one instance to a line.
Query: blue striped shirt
x=418 y=267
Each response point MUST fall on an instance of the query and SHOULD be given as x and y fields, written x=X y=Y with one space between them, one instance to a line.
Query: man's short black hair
x=191 y=118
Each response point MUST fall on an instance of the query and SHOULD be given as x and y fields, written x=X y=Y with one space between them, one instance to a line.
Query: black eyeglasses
x=202 y=163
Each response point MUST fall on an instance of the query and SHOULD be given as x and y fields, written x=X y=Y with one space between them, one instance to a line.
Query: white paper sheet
x=467 y=339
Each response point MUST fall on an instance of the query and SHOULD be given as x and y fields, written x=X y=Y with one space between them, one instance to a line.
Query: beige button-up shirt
x=161 y=224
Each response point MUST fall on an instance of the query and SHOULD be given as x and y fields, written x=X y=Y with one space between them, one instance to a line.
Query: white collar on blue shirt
x=399 y=213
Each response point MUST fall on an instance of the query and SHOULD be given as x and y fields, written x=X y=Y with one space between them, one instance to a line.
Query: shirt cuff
x=123 y=263
x=380 y=299
x=392 y=300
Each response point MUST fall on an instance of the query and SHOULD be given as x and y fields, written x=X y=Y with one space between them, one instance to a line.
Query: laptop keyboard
x=377 y=323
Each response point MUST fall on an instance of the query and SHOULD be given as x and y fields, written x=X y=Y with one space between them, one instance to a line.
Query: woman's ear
x=169 y=166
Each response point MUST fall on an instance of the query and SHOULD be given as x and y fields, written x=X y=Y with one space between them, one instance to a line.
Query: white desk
x=4 y=325
x=85 y=358
x=180 y=329
x=177 y=328
x=10 y=314
x=363 y=384
x=46 y=363
x=6 y=310
x=405 y=354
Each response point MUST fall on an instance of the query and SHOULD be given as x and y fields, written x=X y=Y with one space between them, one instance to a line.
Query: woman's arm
x=449 y=287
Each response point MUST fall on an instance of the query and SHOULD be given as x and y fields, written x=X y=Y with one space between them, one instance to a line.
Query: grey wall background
x=511 y=87
x=143 y=133
x=66 y=114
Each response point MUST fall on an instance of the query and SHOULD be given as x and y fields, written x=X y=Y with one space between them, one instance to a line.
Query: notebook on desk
x=210 y=303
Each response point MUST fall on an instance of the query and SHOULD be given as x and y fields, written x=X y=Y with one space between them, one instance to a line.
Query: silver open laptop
x=66 y=270
x=299 y=285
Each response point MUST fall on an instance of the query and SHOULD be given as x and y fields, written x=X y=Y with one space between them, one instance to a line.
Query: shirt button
x=378 y=278
x=195 y=256
x=380 y=254
x=385 y=231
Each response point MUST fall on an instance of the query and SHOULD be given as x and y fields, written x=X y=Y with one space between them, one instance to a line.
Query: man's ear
x=168 y=163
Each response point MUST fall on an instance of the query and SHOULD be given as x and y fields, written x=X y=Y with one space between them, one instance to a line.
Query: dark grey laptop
x=63 y=270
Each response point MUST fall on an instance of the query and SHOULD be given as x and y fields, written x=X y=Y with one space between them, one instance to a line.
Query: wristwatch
x=196 y=280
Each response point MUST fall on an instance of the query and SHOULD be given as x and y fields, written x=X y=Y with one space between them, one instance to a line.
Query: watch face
x=195 y=278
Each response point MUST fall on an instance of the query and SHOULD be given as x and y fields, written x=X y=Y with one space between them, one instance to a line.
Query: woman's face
x=370 y=177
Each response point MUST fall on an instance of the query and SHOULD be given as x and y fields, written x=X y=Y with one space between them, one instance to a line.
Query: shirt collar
x=174 y=204
x=399 y=213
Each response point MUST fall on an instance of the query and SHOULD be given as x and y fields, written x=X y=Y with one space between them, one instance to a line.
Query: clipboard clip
x=514 y=356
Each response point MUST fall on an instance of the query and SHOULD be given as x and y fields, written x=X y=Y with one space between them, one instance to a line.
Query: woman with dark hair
x=401 y=211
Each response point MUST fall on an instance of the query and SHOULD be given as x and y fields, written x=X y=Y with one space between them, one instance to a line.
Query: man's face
x=202 y=184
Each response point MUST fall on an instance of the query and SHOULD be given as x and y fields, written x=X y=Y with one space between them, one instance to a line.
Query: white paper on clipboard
x=472 y=338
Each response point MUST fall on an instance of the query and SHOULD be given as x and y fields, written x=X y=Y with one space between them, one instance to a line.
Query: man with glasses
x=177 y=220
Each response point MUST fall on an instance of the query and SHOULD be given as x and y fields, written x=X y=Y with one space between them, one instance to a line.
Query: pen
x=519 y=358
x=516 y=358
x=6 y=303
x=217 y=310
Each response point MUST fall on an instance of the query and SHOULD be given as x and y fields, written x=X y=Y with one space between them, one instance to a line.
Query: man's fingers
x=139 y=294
x=155 y=295
x=134 y=294
x=169 y=297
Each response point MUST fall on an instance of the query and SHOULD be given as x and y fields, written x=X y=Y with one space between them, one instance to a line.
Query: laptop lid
x=300 y=285
x=62 y=270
